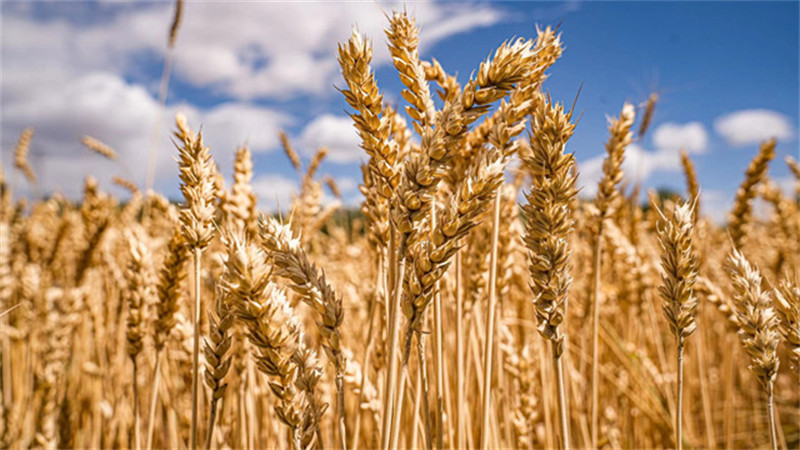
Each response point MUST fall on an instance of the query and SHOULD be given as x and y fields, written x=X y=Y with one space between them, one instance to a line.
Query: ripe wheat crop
x=476 y=300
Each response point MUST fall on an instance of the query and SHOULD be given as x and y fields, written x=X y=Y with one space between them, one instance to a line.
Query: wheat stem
x=137 y=439
x=598 y=264
x=679 y=411
x=415 y=411
x=460 y=407
x=211 y=420
x=423 y=370
x=562 y=401
x=771 y=411
x=154 y=401
x=490 y=322
x=440 y=375
x=398 y=407
x=394 y=318
x=365 y=364
x=196 y=255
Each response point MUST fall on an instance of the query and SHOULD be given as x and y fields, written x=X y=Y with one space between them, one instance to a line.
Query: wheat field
x=474 y=301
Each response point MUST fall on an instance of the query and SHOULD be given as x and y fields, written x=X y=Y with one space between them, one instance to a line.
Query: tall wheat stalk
x=169 y=288
x=549 y=224
x=680 y=263
x=138 y=294
x=606 y=202
x=197 y=186
x=758 y=328
x=490 y=324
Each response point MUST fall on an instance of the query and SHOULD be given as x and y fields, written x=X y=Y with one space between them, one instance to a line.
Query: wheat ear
x=197 y=186
x=787 y=301
x=99 y=147
x=171 y=278
x=547 y=230
x=310 y=284
x=692 y=185
x=740 y=217
x=21 y=154
x=606 y=202
x=138 y=293
x=374 y=124
x=276 y=336
x=679 y=262
x=403 y=36
x=215 y=349
x=758 y=327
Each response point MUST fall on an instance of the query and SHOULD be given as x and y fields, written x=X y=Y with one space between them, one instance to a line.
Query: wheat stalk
x=197 y=186
x=310 y=284
x=169 y=286
x=215 y=349
x=680 y=265
x=274 y=332
x=606 y=203
x=549 y=224
x=758 y=326
x=138 y=293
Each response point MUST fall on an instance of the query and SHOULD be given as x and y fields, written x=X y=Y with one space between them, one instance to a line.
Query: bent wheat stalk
x=310 y=284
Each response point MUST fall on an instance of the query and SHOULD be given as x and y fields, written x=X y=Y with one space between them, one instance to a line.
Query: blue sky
x=726 y=73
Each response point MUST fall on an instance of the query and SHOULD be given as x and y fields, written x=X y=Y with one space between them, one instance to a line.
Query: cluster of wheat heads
x=475 y=301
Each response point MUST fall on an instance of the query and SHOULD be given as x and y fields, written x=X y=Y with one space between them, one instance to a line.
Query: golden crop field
x=474 y=301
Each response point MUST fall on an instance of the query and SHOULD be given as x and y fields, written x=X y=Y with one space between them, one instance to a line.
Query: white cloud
x=90 y=70
x=787 y=184
x=334 y=132
x=458 y=23
x=232 y=124
x=638 y=165
x=347 y=184
x=274 y=192
x=716 y=205
x=245 y=50
x=691 y=136
x=123 y=116
x=752 y=126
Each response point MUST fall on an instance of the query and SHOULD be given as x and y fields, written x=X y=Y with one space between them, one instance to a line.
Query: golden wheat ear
x=758 y=326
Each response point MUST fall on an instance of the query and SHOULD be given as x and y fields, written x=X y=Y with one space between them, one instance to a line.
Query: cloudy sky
x=727 y=75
